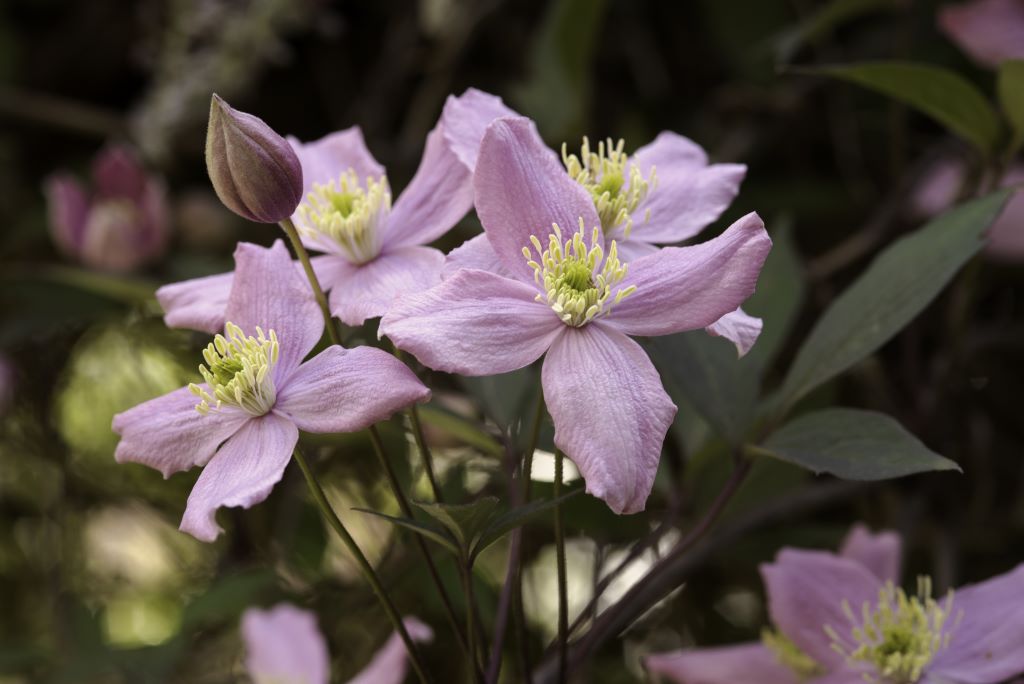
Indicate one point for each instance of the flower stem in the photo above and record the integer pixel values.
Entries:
(300, 251)
(421, 442)
(563, 588)
(467, 584)
(364, 565)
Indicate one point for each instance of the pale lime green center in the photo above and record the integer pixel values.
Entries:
(604, 174)
(238, 371)
(580, 282)
(900, 635)
(348, 214)
(790, 655)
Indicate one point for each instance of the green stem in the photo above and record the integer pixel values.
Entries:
(364, 565)
(421, 442)
(518, 614)
(321, 299)
(467, 584)
(563, 589)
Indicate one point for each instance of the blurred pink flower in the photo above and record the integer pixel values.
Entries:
(284, 646)
(818, 600)
(121, 224)
(665, 193)
(938, 189)
(990, 31)
(565, 296)
(242, 424)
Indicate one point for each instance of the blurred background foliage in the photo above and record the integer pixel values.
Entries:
(98, 584)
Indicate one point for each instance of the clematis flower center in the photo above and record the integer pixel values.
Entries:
(348, 214)
(578, 279)
(615, 184)
(790, 655)
(238, 371)
(899, 635)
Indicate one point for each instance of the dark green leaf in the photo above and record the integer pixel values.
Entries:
(227, 598)
(501, 525)
(504, 396)
(1010, 87)
(854, 445)
(461, 429)
(435, 533)
(938, 93)
(464, 521)
(893, 290)
(824, 21)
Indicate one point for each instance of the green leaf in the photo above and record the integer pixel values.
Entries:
(462, 429)
(854, 445)
(707, 371)
(464, 521)
(889, 294)
(938, 93)
(501, 525)
(225, 600)
(434, 533)
(824, 21)
(1010, 87)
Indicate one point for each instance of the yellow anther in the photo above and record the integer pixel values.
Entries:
(238, 370)
(613, 181)
(347, 214)
(790, 655)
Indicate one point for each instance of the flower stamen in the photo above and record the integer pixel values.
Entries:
(578, 279)
(790, 655)
(615, 184)
(347, 214)
(238, 372)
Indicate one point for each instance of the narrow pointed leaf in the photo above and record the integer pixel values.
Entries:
(506, 522)
(854, 445)
(891, 292)
(436, 534)
(464, 521)
(1010, 87)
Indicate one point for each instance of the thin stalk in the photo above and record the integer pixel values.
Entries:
(421, 442)
(364, 565)
(321, 299)
(471, 625)
(563, 585)
(518, 614)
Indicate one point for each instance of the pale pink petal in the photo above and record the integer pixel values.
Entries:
(987, 644)
(686, 288)
(631, 250)
(437, 197)
(269, 292)
(117, 172)
(345, 390)
(669, 151)
(168, 434)
(473, 323)
(241, 473)
(197, 304)
(806, 591)
(284, 644)
(1006, 236)
(521, 189)
(326, 159)
(845, 675)
(686, 201)
(938, 188)
(466, 118)
(610, 412)
(738, 327)
(369, 290)
(990, 31)
(391, 662)
(721, 665)
(880, 553)
(67, 208)
(475, 253)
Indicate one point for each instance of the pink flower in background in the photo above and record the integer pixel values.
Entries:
(568, 298)
(284, 646)
(838, 619)
(242, 424)
(990, 31)
(665, 193)
(121, 224)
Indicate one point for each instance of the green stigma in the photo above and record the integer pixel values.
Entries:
(900, 635)
(238, 372)
(578, 279)
(604, 175)
(346, 214)
(790, 655)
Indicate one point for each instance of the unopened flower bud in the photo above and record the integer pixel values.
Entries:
(254, 170)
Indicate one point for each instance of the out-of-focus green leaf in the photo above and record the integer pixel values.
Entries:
(227, 598)
(823, 22)
(854, 445)
(461, 429)
(708, 372)
(501, 525)
(504, 396)
(464, 521)
(936, 92)
(1010, 87)
(433, 532)
(893, 290)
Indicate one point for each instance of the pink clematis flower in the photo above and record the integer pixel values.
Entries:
(568, 298)
(284, 646)
(839, 620)
(989, 31)
(374, 251)
(665, 193)
(243, 422)
(121, 225)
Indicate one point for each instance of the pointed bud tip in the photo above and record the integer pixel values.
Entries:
(254, 171)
